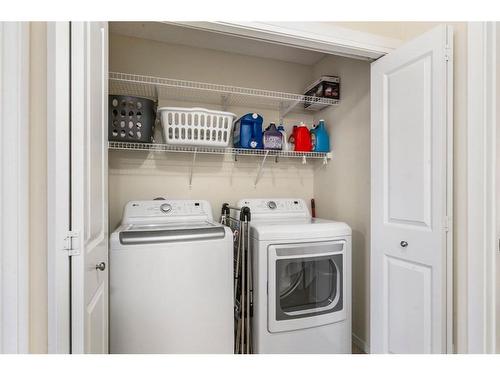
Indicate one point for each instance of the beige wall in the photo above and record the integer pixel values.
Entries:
(342, 190)
(398, 30)
(38, 188)
(218, 179)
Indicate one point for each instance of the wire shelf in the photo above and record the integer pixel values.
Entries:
(159, 147)
(201, 92)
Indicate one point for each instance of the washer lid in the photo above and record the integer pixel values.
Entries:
(298, 229)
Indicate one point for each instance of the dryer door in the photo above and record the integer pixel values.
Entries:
(306, 285)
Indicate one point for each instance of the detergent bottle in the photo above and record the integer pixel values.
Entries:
(303, 138)
(272, 138)
(291, 139)
(281, 129)
(313, 137)
(248, 131)
(322, 140)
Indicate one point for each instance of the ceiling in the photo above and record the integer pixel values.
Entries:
(168, 33)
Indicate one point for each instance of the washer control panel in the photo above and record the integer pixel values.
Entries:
(278, 206)
(136, 211)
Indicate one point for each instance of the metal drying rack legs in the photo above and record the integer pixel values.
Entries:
(243, 280)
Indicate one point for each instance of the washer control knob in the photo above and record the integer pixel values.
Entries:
(166, 208)
(271, 205)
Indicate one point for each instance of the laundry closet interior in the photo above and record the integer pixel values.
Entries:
(145, 56)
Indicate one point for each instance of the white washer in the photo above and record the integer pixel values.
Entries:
(171, 280)
(302, 279)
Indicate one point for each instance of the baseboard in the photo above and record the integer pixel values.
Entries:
(362, 344)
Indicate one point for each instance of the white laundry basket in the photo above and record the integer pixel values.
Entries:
(196, 126)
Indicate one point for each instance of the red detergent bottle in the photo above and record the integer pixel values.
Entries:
(302, 138)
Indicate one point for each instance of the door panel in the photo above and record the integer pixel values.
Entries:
(408, 132)
(89, 186)
(410, 189)
(97, 311)
(408, 290)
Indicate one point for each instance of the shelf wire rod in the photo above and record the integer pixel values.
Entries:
(192, 169)
(259, 173)
(224, 101)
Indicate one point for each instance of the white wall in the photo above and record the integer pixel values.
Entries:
(342, 190)
(137, 175)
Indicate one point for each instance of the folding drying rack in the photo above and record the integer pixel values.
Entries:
(243, 280)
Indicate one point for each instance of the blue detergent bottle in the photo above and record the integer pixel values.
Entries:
(322, 140)
(313, 137)
(248, 131)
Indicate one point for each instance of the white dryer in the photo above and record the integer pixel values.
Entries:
(171, 280)
(301, 278)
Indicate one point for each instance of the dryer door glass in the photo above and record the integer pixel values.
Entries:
(308, 286)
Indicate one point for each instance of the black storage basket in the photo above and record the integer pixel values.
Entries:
(131, 119)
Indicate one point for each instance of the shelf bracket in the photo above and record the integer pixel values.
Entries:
(192, 169)
(325, 160)
(224, 101)
(304, 160)
(259, 173)
(157, 94)
(285, 110)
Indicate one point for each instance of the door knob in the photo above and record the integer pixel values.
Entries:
(403, 243)
(101, 266)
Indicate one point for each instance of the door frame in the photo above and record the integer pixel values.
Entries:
(14, 187)
(58, 186)
(481, 187)
(352, 43)
(313, 36)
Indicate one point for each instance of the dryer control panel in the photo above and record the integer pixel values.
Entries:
(276, 207)
(166, 210)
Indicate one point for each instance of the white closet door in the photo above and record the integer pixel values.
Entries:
(89, 186)
(411, 196)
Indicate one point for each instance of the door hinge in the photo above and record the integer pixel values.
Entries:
(448, 54)
(72, 243)
(446, 224)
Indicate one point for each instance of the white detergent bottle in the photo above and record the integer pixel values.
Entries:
(281, 129)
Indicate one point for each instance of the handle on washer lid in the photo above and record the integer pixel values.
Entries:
(173, 235)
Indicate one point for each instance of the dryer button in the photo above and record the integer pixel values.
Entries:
(271, 205)
(166, 208)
